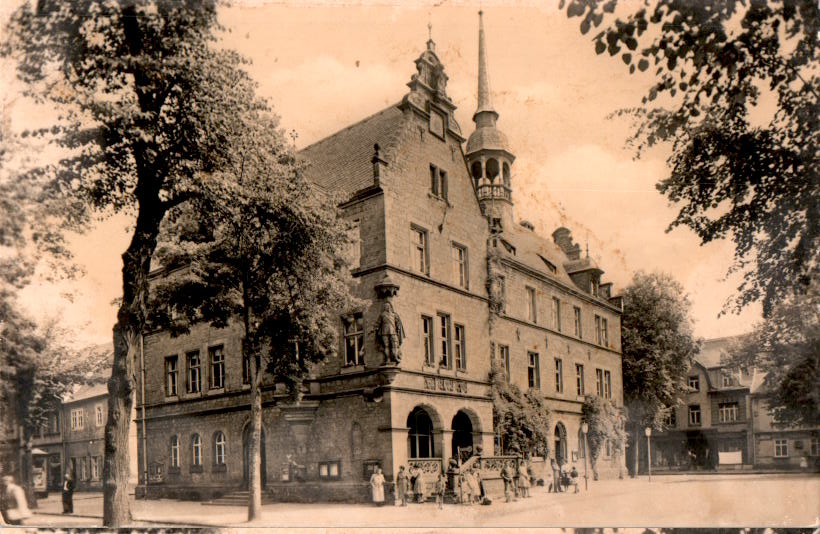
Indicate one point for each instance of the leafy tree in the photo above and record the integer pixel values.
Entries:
(271, 259)
(786, 347)
(520, 418)
(38, 370)
(606, 424)
(144, 98)
(658, 349)
(742, 89)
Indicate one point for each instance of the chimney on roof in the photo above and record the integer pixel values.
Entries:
(377, 161)
(563, 238)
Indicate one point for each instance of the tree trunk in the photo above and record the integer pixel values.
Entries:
(127, 332)
(255, 453)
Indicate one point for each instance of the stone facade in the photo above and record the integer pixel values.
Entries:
(431, 246)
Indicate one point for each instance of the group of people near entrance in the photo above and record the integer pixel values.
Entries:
(409, 485)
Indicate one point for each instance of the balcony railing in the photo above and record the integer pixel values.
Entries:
(494, 191)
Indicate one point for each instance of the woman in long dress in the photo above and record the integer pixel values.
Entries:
(377, 486)
(418, 486)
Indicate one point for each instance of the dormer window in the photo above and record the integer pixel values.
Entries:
(594, 286)
(438, 182)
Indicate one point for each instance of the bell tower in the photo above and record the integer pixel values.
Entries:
(488, 153)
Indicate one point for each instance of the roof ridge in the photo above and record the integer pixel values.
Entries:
(349, 127)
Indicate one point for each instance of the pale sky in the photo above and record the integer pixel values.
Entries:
(327, 67)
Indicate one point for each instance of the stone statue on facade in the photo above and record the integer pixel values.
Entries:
(390, 334)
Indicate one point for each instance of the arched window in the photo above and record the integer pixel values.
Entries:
(219, 448)
(475, 170)
(196, 450)
(174, 451)
(420, 435)
(492, 168)
(560, 443)
(506, 174)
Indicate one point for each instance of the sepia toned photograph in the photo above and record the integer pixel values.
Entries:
(422, 266)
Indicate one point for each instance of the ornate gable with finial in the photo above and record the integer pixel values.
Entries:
(428, 89)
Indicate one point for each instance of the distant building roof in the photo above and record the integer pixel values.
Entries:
(87, 392)
(342, 161)
(714, 349)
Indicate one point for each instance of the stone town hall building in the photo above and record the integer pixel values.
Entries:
(437, 237)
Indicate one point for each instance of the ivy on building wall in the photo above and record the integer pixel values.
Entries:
(606, 424)
(521, 419)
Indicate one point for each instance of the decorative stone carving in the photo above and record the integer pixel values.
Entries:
(389, 334)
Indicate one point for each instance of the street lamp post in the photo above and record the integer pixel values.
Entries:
(584, 430)
(648, 432)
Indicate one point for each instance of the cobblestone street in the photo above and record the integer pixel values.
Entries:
(672, 500)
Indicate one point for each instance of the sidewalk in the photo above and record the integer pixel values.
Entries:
(682, 500)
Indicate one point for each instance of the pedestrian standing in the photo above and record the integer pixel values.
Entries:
(523, 481)
(418, 486)
(466, 488)
(14, 506)
(507, 477)
(402, 485)
(556, 476)
(441, 487)
(377, 486)
(68, 492)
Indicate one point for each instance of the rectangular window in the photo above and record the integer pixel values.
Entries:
(354, 339)
(427, 339)
(599, 382)
(504, 354)
(194, 372)
(559, 375)
(727, 412)
(533, 372)
(438, 182)
(671, 419)
(461, 348)
(532, 309)
(781, 448)
(460, 270)
(601, 331)
(83, 468)
(577, 312)
(77, 419)
(607, 384)
(815, 447)
(694, 415)
(420, 250)
(98, 412)
(54, 423)
(556, 314)
(217, 358)
(726, 380)
(329, 470)
(171, 374)
(95, 468)
(694, 383)
(579, 379)
(354, 243)
(434, 188)
(444, 336)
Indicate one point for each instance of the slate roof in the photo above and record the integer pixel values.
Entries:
(342, 161)
(532, 249)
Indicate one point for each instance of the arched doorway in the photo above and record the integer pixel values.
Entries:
(420, 434)
(462, 435)
(246, 460)
(560, 443)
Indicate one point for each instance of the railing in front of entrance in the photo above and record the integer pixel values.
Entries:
(492, 465)
(430, 468)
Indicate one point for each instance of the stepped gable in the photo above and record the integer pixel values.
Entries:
(342, 161)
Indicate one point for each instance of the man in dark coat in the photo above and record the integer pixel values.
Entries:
(68, 493)
(556, 476)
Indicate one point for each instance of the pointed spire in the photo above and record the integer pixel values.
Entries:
(484, 102)
(431, 45)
